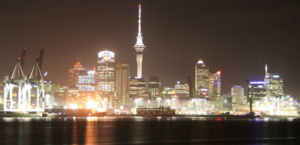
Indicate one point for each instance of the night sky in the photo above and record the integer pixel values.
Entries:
(237, 37)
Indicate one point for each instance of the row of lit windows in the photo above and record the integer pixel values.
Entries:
(106, 86)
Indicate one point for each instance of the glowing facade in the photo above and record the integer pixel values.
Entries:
(201, 79)
(182, 90)
(74, 74)
(215, 85)
(275, 84)
(138, 89)
(106, 76)
(86, 81)
(238, 95)
(257, 90)
(139, 45)
(154, 87)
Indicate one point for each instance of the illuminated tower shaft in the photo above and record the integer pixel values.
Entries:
(139, 46)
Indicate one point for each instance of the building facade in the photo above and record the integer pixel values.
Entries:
(74, 74)
(86, 81)
(201, 79)
(275, 84)
(138, 89)
(123, 77)
(182, 90)
(215, 85)
(154, 88)
(257, 90)
(238, 95)
(106, 77)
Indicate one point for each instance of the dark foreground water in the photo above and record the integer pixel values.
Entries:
(150, 131)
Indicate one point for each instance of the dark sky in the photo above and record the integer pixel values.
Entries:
(235, 36)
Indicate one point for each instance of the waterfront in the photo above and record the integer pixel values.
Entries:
(144, 130)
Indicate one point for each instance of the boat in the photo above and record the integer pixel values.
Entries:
(153, 112)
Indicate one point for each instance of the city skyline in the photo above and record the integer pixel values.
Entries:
(164, 58)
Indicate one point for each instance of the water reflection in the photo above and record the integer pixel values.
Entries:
(141, 130)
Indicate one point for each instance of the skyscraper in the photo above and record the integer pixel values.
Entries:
(74, 73)
(215, 85)
(201, 79)
(182, 90)
(238, 95)
(275, 84)
(123, 77)
(138, 89)
(257, 90)
(106, 76)
(139, 45)
(154, 87)
(86, 81)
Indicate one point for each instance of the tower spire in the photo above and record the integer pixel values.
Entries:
(139, 45)
(139, 38)
(266, 71)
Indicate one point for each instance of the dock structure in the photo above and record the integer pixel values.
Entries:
(22, 93)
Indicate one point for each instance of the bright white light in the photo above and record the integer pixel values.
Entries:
(200, 62)
(106, 53)
(73, 106)
(90, 104)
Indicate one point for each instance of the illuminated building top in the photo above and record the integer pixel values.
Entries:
(200, 62)
(106, 56)
(259, 83)
(106, 53)
(78, 65)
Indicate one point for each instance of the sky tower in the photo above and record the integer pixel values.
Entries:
(139, 45)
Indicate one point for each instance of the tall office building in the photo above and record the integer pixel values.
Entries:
(86, 81)
(154, 88)
(257, 90)
(139, 45)
(215, 85)
(138, 89)
(238, 95)
(74, 73)
(123, 77)
(201, 79)
(275, 84)
(106, 77)
(182, 90)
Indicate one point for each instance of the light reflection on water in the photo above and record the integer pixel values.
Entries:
(145, 130)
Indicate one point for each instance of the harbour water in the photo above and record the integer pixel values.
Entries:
(147, 131)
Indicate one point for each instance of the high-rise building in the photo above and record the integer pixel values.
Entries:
(1, 95)
(139, 45)
(154, 88)
(182, 90)
(275, 84)
(168, 93)
(201, 79)
(106, 77)
(191, 86)
(74, 73)
(123, 77)
(86, 81)
(257, 90)
(214, 85)
(238, 95)
(138, 89)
